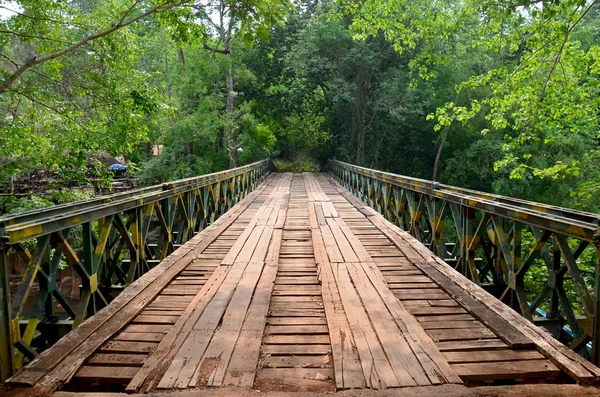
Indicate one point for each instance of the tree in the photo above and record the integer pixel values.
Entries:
(253, 18)
(42, 25)
(71, 86)
(539, 84)
(72, 80)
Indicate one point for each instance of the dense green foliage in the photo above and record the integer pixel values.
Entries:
(532, 78)
(15, 205)
(495, 96)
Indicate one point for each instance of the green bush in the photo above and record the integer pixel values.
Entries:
(299, 164)
(68, 196)
(14, 205)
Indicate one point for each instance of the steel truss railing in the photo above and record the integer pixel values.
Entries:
(110, 242)
(482, 236)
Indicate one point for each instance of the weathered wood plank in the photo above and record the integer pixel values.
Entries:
(198, 354)
(460, 334)
(297, 361)
(331, 245)
(105, 375)
(421, 344)
(295, 349)
(168, 347)
(506, 370)
(219, 353)
(298, 339)
(376, 367)
(242, 367)
(403, 362)
(342, 242)
(139, 337)
(214, 363)
(116, 359)
(244, 361)
(357, 247)
(493, 355)
(298, 321)
(297, 329)
(471, 345)
(345, 354)
(127, 347)
(189, 355)
(155, 319)
(300, 379)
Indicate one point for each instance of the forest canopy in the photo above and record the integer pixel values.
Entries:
(500, 96)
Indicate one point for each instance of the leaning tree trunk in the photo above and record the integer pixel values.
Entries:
(229, 134)
(166, 60)
(436, 164)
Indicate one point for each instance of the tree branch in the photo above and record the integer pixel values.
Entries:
(444, 135)
(562, 47)
(239, 115)
(62, 114)
(6, 84)
(220, 51)
(16, 65)
(27, 36)
(135, 3)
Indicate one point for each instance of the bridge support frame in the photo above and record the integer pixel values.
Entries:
(7, 353)
(111, 240)
(596, 339)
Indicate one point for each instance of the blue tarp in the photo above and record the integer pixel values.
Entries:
(118, 167)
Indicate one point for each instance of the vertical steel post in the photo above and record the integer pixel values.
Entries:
(469, 266)
(596, 327)
(88, 299)
(6, 348)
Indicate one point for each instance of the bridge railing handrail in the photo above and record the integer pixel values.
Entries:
(192, 182)
(496, 241)
(570, 222)
(118, 239)
(37, 223)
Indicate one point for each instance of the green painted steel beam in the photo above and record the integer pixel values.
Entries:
(586, 217)
(124, 222)
(176, 186)
(560, 220)
(48, 221)
(7, 353)
(491, 226)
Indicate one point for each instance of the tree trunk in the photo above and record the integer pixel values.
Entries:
(229, 133)
(439, 152)
(230, 93)
(361, 128)
(181, 56)
(231, 138)
(166, 59)
(360, 145)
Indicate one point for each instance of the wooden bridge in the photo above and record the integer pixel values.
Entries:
(299, 286)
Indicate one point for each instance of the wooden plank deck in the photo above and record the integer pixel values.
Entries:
(300, 287)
